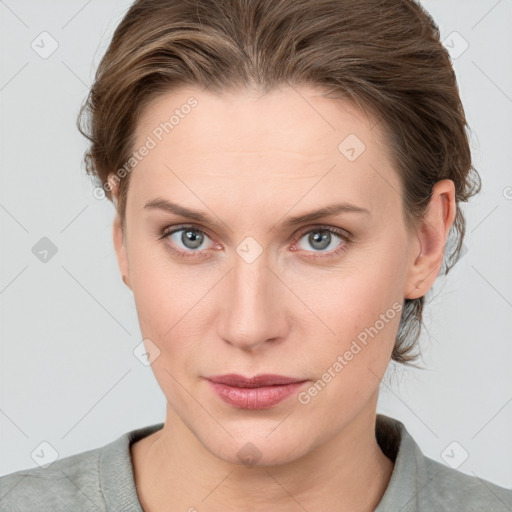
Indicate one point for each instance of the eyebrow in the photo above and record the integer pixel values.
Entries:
(326, 211)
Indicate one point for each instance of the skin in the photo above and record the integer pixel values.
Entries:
(251, 161)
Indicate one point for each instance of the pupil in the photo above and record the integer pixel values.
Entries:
(191, 240)
(323, 239)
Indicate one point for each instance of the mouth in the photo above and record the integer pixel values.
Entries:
(239, 381)
(259, 392)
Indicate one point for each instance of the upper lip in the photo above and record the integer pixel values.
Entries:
(233, 379)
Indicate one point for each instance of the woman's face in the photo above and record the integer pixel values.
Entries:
(244, 290)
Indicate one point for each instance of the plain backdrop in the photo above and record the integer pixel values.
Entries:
(68, 326)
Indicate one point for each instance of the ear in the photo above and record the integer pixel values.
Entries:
(121, 252)
(431, 234)
(118, 236)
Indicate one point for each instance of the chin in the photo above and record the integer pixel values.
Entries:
(259, 449)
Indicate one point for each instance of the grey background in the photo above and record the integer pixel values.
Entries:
(68, 326)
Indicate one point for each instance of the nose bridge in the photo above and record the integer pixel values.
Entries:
(253, 308)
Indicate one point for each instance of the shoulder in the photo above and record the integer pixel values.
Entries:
(419, 483)
(96, 480)
(451, 489)
(70, 483)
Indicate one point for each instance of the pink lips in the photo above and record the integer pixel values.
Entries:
(259, 392)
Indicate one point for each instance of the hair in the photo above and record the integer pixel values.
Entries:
(384, 56)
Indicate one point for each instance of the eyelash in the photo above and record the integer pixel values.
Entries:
(342, 234)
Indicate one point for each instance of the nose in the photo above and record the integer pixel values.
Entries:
(253, 310)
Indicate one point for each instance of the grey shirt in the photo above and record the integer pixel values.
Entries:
(102, 480)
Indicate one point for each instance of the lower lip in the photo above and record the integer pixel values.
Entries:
(255, 398)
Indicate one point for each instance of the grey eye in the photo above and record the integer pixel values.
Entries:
(319, 239)
(189, 238)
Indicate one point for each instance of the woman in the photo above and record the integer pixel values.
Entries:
(286, 176)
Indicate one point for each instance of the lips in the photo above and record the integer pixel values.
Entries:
(239, 381)
(259, 392)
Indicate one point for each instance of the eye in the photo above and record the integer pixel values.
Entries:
(190, 241)
(187, 240)
(324, 237)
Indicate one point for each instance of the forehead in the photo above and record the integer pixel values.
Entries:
(289, 137)
(293, 119)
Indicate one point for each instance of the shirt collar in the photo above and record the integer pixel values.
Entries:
(117, 480)
(118, 485)
(409, 471)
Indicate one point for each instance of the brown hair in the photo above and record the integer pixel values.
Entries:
(385, 56)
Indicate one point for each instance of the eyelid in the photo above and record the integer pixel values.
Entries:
(178, 227)
(305, 229)
(342, 233)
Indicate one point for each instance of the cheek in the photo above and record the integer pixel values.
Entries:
(359, 305)
(158, 291)
(171, 300)
(340, 304)
(364, 314)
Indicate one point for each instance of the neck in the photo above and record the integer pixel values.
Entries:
(174, 471)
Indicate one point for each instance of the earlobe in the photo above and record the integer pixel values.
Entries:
(120, 248)
(432, 233)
